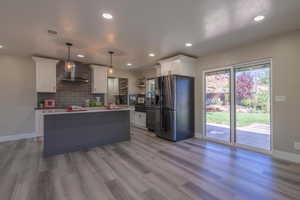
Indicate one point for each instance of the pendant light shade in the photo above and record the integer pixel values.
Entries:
(110, 70)
(69, 65)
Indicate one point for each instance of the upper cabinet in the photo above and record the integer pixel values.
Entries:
(99, 79)
(113, 86)
(179, 65)
(45, 74)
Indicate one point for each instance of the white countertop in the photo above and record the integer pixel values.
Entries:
(87, 110)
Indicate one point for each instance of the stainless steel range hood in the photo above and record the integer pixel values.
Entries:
(73, 77)
(70, 69)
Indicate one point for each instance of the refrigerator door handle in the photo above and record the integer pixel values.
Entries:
(161, 115)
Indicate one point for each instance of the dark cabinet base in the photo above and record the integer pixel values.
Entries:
(74, 132)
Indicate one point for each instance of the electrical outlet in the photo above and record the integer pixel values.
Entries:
(297, 145)
(280, 98)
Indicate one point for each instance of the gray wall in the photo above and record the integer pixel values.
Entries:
(17, 96)
(285, 53)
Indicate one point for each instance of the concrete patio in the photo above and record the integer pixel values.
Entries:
(257, 136)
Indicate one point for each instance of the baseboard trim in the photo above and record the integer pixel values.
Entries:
(292, 157)
(17, 137)
(198, 135)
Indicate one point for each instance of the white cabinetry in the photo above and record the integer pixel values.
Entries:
(132, 115)
(179, 65)
(113, 86)
(99, 79)
(140, 120)
(45, 74)
(39, 123)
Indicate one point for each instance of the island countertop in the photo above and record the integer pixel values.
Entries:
(86, 110)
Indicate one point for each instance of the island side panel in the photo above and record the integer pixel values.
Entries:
(74, 132)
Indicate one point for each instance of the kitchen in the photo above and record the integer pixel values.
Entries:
(66, 89)
(144, 100)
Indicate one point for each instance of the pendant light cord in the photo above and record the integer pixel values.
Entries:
(69, 45)
(111, 54)
(111, 60)
(69, 49)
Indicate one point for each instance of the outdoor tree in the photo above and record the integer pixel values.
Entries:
(244, 86)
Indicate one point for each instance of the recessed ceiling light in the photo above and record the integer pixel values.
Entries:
(151, 54)
(80, 56)
(129, 64)
(259, 18)
(1, 46)
(107, 16)
(188, 44)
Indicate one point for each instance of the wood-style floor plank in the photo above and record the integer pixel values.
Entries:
(145, 168)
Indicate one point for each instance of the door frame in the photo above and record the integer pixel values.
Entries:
(232, 104)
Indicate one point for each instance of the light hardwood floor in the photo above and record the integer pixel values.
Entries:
(145, 168)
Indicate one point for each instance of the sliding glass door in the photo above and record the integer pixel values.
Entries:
(252, 106)
(237, 105)
(217, 105)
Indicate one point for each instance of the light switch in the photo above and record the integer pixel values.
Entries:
(280, 98)
(297, 145)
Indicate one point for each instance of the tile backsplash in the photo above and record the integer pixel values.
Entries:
(71, 93)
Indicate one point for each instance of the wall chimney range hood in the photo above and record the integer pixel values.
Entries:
(70, 70)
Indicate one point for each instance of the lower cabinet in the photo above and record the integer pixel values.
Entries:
(132, 115)
(39, 123)
(140, 119)
(150, 120)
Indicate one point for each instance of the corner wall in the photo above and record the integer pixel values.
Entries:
(285, 53)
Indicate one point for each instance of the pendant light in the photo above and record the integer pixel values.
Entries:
(110, 70)
(69, 65)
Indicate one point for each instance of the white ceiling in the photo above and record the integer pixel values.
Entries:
(139, 26)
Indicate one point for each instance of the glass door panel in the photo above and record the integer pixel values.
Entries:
(217, 105)
(252, 106)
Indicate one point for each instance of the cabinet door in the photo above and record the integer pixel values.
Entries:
(177, 67)
(140, 119)
(45, 74)
(39, 123)
(150, 119)
(132, 116)
(180, 65)
(143, 119)
(116, 86)
(99, 80)
(136, 118)
(166, 69)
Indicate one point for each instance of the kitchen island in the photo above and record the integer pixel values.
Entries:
(74, 131)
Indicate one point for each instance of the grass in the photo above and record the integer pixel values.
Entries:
(243, 119)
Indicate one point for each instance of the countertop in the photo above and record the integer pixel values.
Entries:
(87, 110)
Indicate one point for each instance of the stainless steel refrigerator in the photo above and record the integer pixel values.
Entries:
(174, 107)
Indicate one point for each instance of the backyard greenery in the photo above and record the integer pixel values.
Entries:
(243, 119)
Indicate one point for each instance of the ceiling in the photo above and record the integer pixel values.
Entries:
(138, 27)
